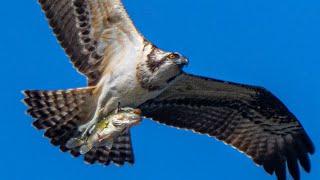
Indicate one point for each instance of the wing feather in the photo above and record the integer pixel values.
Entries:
(91, 32)
(248, 118)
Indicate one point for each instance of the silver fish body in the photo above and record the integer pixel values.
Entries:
(106, 130)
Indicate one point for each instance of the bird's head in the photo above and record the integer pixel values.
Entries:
(162, 63)
(159, 60)
(176, 59)
(159, 68)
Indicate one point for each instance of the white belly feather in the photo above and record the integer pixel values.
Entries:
(122, 86)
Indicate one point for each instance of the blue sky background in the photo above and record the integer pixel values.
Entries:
(271, 43)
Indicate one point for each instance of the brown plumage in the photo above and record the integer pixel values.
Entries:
(96, 35)
(122, 66)
(51, 108)
(60, 113)
(120, 153)
(80, 26)
(248, 118)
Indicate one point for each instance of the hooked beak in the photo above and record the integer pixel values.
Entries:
(181, 62)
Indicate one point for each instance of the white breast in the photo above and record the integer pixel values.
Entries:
(121, 84)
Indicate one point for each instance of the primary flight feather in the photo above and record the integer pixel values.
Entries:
(124, 68)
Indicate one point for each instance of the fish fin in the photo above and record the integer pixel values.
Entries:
(84, 149)
(74, 143)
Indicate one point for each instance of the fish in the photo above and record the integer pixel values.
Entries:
(105, 131)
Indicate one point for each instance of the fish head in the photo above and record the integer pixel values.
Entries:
(127, 117)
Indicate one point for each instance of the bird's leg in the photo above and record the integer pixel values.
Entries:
(89, 127)
(99, 115)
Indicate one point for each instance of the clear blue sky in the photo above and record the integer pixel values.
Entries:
(272, 43)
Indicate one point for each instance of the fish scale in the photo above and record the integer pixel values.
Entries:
(105, 131)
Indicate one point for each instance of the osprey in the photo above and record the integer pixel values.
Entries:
(123, 67)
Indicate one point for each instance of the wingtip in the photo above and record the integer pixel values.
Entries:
(268, 168)
(312, 148)
(281, 171)
(24, 92)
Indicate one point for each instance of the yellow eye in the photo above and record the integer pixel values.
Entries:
(173, 56)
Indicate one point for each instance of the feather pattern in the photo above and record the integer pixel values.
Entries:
(91, 32)
(248, 118)
(61, 112)
(120, 152)
(53, 108)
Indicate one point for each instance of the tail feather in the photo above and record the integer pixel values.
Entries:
(61, 133)
(60, 113)
(120, 152)
(50, 108)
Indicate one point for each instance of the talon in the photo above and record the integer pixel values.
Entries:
(118, 108)
(91, 129)
(88, 129)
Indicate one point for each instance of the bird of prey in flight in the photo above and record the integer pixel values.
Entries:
(123, 67)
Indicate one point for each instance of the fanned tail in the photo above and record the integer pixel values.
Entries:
(61, 112)
(51, 108)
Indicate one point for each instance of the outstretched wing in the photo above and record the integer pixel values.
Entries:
(249, 118)
(92, 32)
